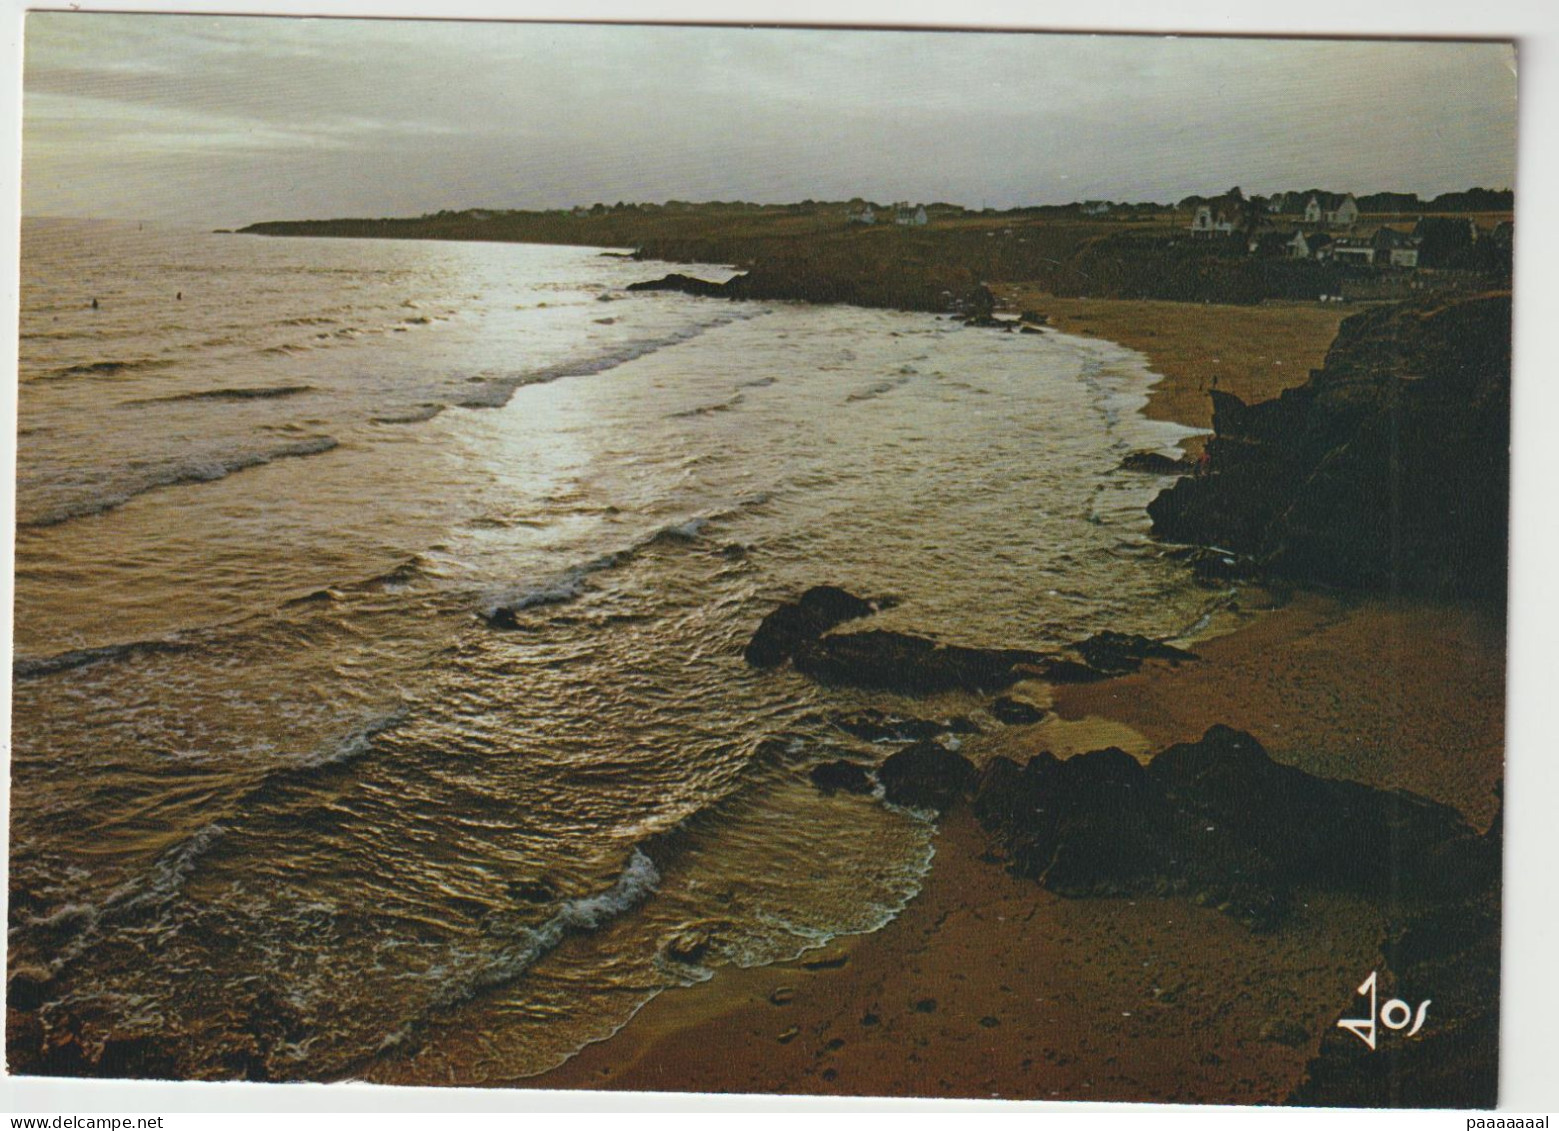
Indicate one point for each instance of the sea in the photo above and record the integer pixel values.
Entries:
(288, 803)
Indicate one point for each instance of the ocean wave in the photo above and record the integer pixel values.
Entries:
(881, 388)
(497, 392)
(500, 607)
(705, 410)
(153, 889)
(33, 667)
(180, 474)
(258, 393)
(104, 368)
(418, 415)
(636, 882)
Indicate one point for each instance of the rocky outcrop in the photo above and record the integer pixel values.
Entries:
(848, 777)
(801, 278)
(925, 776)
(913, 665)
(1388, 470)
(799, 623)
(1156, 463)
(1447, 952)
(1219, 819)
(687, 284)
(872, 725)
(1118, 653)
(1015, 712)
(800, 631)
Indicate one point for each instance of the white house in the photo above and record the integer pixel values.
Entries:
(1208, 222)
(1336, 212)
(1309, 245)
(1353, 250)
(912, 217)
(864, 216)
(1095, 208)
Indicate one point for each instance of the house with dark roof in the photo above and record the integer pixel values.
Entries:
(1217, 219)
(1394, 248)
(1309, 245)
(1332, 210)
(1351, 249)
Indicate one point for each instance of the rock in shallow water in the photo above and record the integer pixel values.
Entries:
(925, 776)
(792, 625)
(847, 776)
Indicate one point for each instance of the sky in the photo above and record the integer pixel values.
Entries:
(226, 120)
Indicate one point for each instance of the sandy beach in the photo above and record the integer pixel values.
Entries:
(989, 986)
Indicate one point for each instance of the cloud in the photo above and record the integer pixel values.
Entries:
(123, 113)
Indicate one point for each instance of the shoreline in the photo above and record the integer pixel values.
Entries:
(933, 1003)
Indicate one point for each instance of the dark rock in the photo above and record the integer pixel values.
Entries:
(532, 891)
(925, 1005)
(1280, 1031)
(912, 665)
(1448, 953)
(1156, 463)
(1015, 712)
(1388, 470)
(687, 284)
(782, 995)
(1117, 653)
(1219, 819)
(792, 625)
(846, 776)
(838, 962)
(1314, 830)
(925, 776)
(501, 618)
(989, 1022)
(872, 725)
(1055, 670)
(1034, 318)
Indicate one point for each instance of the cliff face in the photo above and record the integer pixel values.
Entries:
(1389, 470)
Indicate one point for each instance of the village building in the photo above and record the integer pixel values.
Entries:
(1269, 244)
(1096, 208)
(864, 216)
(1332, 210)
(910, 217)
(1394, 248)
(1352, 249)
(1309, 245)
(1214, 220)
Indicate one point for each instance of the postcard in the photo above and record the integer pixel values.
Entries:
(766, 560)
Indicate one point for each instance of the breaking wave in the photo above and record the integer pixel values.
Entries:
(196, 471)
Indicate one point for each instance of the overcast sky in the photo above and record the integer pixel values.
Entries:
(226, 120)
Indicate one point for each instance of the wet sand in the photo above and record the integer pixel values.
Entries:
(989, 986)
(1254, 352)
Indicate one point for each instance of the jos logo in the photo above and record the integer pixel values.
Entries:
(1394, 1015)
